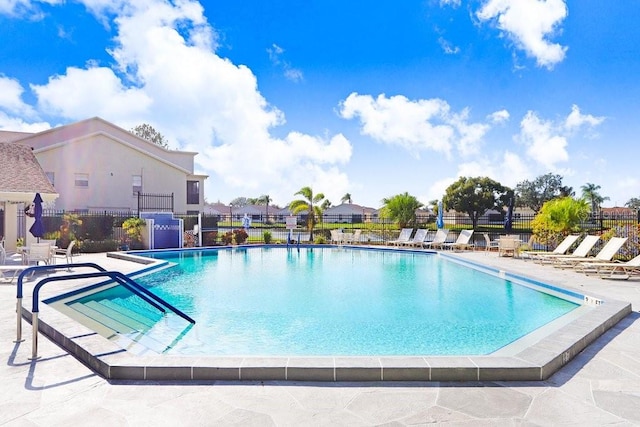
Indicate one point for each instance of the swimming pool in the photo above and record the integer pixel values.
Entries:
(317, 301)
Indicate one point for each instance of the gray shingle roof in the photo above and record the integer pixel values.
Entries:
(20, 172)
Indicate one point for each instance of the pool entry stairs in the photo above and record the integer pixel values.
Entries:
(134, 327)
(119, 309)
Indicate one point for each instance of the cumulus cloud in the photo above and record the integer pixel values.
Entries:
(547, 141)
(165, 72)
(499, 116)
(529, 24)
(11, 97)
(415, 125)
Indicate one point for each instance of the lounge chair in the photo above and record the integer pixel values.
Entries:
(10, 265)
(488, 243)
(581, 251)
(606, 254)
(611, 270)
(462, 242)
(404, 237)
(438, 240)
(561, 249)
(418, 238)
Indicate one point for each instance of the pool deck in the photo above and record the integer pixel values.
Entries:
(600, 385)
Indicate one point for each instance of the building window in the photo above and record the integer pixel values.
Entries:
(136, 183)
(82, 180)
(51, 178)
(193, 192)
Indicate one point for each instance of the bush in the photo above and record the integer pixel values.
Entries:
(266, 236)
(240, 236)
(90, 246)
(227, 238)
(320, 240)
(209, 238)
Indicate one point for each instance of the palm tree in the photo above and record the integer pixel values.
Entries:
(346, 198)
(633, 203)
(590, 194)
(265, 200)
(309, 204)
(401, 208)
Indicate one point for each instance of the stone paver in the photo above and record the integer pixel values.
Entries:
(600, 386)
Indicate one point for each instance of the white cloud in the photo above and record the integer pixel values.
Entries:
(575, 120)
(543, 144)
(11, 97)
(425, 124)
(547, 141)
(15, 124)
(24, 8)
(454, 3)
(447, 47)
(275, 53)
(499, 116)
(529, 24)
(166, 73)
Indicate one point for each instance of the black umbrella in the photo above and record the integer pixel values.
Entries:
(508, 220)
(37, 229)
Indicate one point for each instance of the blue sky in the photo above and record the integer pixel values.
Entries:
(368, 98)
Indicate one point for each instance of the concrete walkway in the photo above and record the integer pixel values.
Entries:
(600, 386)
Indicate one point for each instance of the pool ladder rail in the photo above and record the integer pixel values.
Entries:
(122, 279)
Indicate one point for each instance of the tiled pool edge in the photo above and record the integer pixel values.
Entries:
(534, 363)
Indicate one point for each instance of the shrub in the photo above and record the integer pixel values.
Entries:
(90, 246)
(267, 237)
(240, 236)
(320, 240)
(227, 238)
(209, 238)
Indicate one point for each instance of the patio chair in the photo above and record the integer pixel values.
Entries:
(38, 252)
(10, 265)
(352, 237)
(606, 254)
(66, 254)
(611, 270)
(418, 238)
(438, 240)
(561, 249)
(404, 237)
(462, 242)
(581, 251)
(508, 245)
(488, 243)
(337, 237)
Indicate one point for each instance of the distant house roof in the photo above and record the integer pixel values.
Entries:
(21, 175)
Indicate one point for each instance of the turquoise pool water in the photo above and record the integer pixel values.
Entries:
(341, 301)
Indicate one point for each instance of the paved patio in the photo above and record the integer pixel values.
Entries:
(600, 386)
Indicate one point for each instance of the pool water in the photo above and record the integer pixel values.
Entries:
(341, 301)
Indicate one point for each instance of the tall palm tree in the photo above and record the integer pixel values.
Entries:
(265, 200)
(401, 208)
(309, 204)
(590, 194)
(346, 198)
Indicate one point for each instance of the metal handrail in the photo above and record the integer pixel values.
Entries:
(117, 276)
(32, 270)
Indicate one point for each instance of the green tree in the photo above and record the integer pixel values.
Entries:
(475, 196)
(326, 204)
(401, 208)
(310, 205)
(633, 203)
(534, 194)
(239, 202)
(591, 195)
(559, 217)
(346, 198)
(148, 132)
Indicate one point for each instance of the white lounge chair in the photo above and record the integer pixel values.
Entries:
(509, 245)
(404, 237)
(438, 240)
(462, 242)
(611, 270)
(39, 252)
(606, 254)
(337, 237)
(418, 238)
(581, 251)
(561, 249)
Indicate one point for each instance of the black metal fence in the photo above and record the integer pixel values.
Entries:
(148, 202)
(107, 226)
